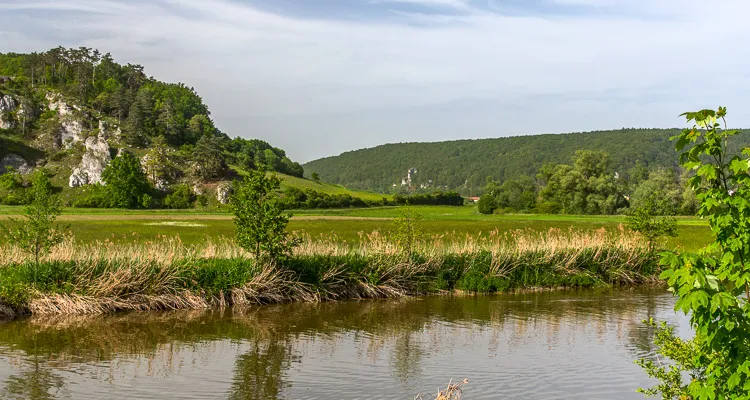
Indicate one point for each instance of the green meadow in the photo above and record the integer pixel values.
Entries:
(347, 225)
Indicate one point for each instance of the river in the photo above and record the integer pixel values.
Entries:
(554, 345)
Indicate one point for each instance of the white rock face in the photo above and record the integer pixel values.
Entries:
(159, 183)
(70, 132)
(223, 191)
(57, 103)
(15, 161)
(71, 128)
(94, 160)
(8, 104)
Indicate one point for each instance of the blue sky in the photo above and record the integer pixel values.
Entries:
(319, 77)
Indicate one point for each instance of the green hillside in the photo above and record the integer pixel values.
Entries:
(465, 165)
(75, 111)
(304, 184)
(322, 187)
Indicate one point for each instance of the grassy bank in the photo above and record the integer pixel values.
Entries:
(103, 277)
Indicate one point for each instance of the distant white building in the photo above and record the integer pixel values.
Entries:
(409, 177)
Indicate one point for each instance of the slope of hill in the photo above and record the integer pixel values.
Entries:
(327, 188)
(320, 187)
(74, 110)
(465, 165)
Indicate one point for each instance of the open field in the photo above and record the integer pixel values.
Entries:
(347, 225)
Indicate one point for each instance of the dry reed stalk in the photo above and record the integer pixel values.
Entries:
(272, 286)
(51, 304)
(451, 392)
(169, 250)
(144, 276)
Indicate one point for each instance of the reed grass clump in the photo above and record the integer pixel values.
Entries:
(106, 277)
(452, 392)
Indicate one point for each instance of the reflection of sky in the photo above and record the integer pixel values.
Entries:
(317, 77)
(537, 347)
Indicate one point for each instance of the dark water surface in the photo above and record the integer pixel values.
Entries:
(565, 345)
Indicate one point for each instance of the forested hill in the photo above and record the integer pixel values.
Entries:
(74, 110)
(465, 165)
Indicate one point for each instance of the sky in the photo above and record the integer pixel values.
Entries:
(320, 77)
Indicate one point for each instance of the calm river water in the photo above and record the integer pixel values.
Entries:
(565, 345)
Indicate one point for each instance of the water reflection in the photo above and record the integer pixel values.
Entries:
(258, 373)
(544, 345)
(34, 380)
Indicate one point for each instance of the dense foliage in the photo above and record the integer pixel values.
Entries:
(168, 120)
(126, 183)
(584, 187)
(588, 185)
(465, 165)
(430, 199)
(713, 285)
(259, 218)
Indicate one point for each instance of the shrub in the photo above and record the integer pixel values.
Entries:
(93, 196)
(181, 197)
(646, 220)
(126, 182)
(406, 229)
(713, 286)
(11, 179)
(201, 200)
(486, 204)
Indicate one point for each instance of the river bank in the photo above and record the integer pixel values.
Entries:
(107, 277)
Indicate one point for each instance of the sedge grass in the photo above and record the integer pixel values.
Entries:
(107, 276)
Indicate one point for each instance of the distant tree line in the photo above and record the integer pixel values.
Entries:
(588, 185)
(433, 199)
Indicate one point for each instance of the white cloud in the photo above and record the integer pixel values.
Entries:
(283, 78)
(590, 3)
(458, 4)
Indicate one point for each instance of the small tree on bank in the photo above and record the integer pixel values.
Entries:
(407, 230)
(259, 218)
(37, 233)
(652, 221)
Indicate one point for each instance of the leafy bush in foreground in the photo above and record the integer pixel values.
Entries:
(713, 285)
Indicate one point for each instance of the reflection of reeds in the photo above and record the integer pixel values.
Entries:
(70, 339)
(105, 277)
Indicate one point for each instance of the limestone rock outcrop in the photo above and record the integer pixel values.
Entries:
(94, 160)
(71, 126)
(8, 104)
(15, 161)
(223, 192)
